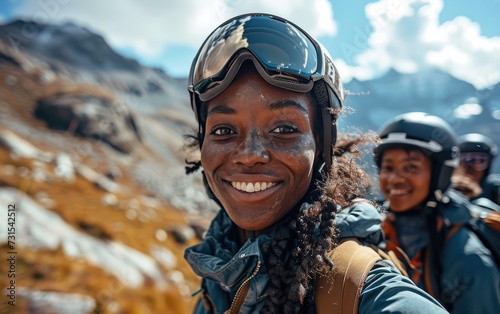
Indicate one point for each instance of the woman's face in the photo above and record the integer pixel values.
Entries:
(474, 165)
(258, 150)
(404, 178)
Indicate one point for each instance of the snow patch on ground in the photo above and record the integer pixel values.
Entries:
(39, 228)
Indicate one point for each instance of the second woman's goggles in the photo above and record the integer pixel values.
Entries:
(284, 55)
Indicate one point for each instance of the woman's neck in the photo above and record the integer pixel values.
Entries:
(244, 235)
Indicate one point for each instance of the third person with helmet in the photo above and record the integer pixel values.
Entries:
(473, 175)
(416, 157)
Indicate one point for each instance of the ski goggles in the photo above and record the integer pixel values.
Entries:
(477, 161)
(283, 54)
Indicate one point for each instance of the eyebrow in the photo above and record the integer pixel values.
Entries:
(222, 108)
(287, 104)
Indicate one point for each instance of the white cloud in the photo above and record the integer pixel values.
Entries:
(407, 36)
(149, 27)
(466, 111)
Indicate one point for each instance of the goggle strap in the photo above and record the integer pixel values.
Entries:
(327, 138)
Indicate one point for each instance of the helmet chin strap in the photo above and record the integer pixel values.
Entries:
(327, 140)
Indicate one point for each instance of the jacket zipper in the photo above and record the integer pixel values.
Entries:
(242, 292)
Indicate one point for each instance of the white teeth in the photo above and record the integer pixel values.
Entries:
(251, 187)
(398, 192)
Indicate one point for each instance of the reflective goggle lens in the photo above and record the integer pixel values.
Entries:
(477, 161)
(278, 46)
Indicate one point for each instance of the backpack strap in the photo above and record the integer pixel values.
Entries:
(339, 291)
(390, 255)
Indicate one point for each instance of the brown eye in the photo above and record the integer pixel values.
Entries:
(221, 131)
(286, 129)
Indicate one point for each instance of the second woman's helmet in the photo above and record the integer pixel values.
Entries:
(283, 54)
(431, 135)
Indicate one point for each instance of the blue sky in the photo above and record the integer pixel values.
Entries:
(366, 38)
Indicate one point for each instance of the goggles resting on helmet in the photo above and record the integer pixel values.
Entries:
(283, 54)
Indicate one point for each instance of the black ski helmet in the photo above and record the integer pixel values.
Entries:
(431, 135)
(478, 143)
(283, 54)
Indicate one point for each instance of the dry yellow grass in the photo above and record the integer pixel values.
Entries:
(79, 204)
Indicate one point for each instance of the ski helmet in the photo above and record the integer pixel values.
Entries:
(431, 135)
(478, 143)
(283, 54)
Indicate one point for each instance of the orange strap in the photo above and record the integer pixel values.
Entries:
(493, 220)
(339, 292)
(393, 246)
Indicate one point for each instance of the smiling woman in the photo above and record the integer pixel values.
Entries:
(267, 96)
(416, 157)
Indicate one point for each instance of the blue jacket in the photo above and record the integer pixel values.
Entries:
(491, 191)
(223, 267)
(470, 278)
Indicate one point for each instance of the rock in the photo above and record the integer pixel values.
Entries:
(109, 199)
(131, 214)
(183, 234)
(97, 179)
(43, 302)
(200, 227)
(10, 80)
(94, 230)
(46, 77)
(22, 148)
(64, 167)
(91, 116)
(161, 235)
(113, 173)
(107, 185)
(164, 256)
(40, 175)
(151, 202)
(47, 203)
(178, 279)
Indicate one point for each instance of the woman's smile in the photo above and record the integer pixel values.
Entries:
(251, 187)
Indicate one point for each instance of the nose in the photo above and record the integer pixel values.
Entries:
(395, 177)
(252, 150)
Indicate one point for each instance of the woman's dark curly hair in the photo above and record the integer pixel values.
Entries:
(308, 234)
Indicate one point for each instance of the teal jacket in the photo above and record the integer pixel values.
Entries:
(223, 266)
(470, 279)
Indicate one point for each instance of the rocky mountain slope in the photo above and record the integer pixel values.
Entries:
(91, 157)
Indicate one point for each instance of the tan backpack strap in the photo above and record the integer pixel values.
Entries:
(391, 256)
(339, 291)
